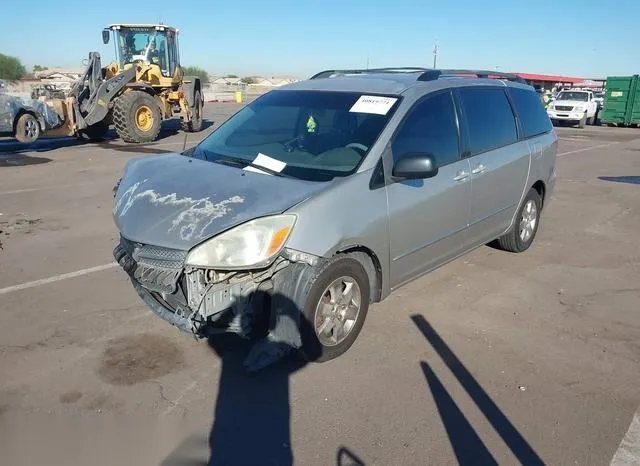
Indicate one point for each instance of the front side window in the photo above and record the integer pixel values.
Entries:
(430, 128)
(490, 120)
(317, 135)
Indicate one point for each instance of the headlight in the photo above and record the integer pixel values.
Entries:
(551, 107)
(579, 108)
(251, 244)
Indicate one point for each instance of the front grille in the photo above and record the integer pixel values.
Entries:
(563, 108)
(156, 268)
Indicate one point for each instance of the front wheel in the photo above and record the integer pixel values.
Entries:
(335, 310)
(525, 227)
(137, 117)
(583, 121)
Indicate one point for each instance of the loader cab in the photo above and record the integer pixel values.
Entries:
(147, 44)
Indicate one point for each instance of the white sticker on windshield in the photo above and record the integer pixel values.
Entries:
(268, 162)
(373, 104)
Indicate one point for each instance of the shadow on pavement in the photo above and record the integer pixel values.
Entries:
(468, 447)
(110, 141)
(19, 160)
(170, 128)
(346, 457)
(251, 419)
(621, 179)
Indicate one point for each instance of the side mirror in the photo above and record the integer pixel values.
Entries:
(105, 36)
(415, 166)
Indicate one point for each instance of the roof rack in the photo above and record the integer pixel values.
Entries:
(334, 73)
(432, 75)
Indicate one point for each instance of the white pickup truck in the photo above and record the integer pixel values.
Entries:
(573, 106)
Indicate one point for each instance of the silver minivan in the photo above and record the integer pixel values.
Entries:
(324, 196)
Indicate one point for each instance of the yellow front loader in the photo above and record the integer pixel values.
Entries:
(143, 86)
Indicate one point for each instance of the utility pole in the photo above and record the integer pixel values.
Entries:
(435, 55)
(367, 61)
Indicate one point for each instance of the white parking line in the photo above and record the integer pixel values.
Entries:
(46, 188)
(584, 149)
(57, 278)
(628, 452)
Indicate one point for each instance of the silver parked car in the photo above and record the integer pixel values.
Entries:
(324, 196)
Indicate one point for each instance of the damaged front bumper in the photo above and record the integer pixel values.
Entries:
(204, 301)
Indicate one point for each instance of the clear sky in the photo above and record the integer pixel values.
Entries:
(277, 37)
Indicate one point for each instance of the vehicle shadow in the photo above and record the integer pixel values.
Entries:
(173, 127)
(251, 418)
(621, 179)
(110, 141)
(468, 447)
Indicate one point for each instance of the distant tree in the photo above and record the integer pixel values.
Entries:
(231, 76)
(10, 68)
(249, 80)
(196, 71)
(37, 68)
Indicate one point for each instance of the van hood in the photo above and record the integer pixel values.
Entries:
(175, 201)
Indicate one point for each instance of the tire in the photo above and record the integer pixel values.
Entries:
(195, 124)
(27, 129)
(95, 132)
(339, 271)
(513, 241)
(137, 117)
(582, 122)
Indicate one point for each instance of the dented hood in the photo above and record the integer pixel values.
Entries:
(177, 202)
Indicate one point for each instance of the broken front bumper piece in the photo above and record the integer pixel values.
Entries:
(203, 301)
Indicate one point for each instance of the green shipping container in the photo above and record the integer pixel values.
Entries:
(622, 101)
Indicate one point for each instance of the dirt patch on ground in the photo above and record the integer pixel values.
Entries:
(137, 358)
(70, 397)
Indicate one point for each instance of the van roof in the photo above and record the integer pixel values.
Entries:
(395, 80)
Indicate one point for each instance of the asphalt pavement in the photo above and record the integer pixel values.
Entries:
(495, 358)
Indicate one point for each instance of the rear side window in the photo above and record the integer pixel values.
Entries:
(490, 120)
(533, 116)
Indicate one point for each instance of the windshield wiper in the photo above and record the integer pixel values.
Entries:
(238, 161)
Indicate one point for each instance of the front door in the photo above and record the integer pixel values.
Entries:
(428, 218)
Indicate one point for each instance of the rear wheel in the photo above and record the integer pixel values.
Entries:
(137, 117)
(525, 227)
(195, 124)
(27, 129)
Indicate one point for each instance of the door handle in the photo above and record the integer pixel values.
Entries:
(478, 169)
(461, 175)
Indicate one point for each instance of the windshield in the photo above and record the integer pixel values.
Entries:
(580, 96)
(311, 135)
(142, 43)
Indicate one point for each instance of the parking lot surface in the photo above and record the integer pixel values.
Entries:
(495, 358)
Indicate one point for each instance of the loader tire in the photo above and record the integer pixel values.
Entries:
(137, 117)
(195, 124)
